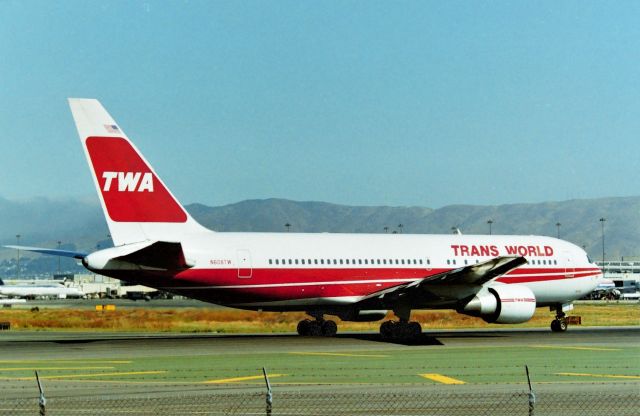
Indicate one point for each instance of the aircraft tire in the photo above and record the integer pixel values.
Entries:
(387, 329)
(304, 327)
(315, 328)
(559, 325)
(563, 325)
(329, 328)
(414, 330)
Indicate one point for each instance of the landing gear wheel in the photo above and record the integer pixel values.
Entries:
(304, 327)
(386, 329)
(329, 328)
(400, 331)
(559, 325)
(315, 328)
(414, 330)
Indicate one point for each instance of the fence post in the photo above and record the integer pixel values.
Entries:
(532, 396)
(42, 401)
(269, 394)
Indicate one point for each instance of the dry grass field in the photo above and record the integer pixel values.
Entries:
(236, 321)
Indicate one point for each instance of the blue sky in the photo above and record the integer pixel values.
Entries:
(364, 103)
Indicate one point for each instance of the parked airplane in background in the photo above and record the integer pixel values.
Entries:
(32, 291)
(357, 277)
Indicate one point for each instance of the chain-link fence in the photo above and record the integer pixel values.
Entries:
(314, 403)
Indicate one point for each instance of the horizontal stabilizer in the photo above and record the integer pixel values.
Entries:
(53, 252)
(158, 255)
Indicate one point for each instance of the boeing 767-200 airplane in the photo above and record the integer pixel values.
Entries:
(357, 277)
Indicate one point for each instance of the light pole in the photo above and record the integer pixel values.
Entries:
(59, 242)
(18, 243)
(558, 225)
(602, 220)
(490, 222)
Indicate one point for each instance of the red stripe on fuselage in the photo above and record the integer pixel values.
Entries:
(302, 283)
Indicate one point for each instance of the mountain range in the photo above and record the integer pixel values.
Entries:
(79, 224)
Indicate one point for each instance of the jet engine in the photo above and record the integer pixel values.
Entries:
(503, 304)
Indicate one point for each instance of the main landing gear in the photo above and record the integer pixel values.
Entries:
(560, 324)
(318, 327)
(402, 330)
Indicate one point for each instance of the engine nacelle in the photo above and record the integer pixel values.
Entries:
(503, 304)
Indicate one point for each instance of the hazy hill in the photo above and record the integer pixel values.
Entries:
(79, 224)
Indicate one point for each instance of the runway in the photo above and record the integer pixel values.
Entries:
(91, 370)
(70, 345)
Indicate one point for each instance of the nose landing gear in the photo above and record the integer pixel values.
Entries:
(560, 324)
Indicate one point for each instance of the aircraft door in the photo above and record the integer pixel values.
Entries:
(245, 269)
(569, 271)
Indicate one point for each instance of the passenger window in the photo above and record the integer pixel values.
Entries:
(448, 262)
(290, 262)
(384, 261)
(335, 261)
(270, 261)
(296, 261)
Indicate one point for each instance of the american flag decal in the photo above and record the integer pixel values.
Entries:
(112, 128)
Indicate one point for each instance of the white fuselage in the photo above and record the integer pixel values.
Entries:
(297, 271)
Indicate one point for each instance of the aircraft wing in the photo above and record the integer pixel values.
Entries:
(54, 252)
(454, 284)
(479, 274)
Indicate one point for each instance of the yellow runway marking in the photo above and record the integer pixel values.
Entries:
(129, 373)
(237, 379)
(55, 368)
(340, 354)
(599, 375)
(576, 348)
(441, 379)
